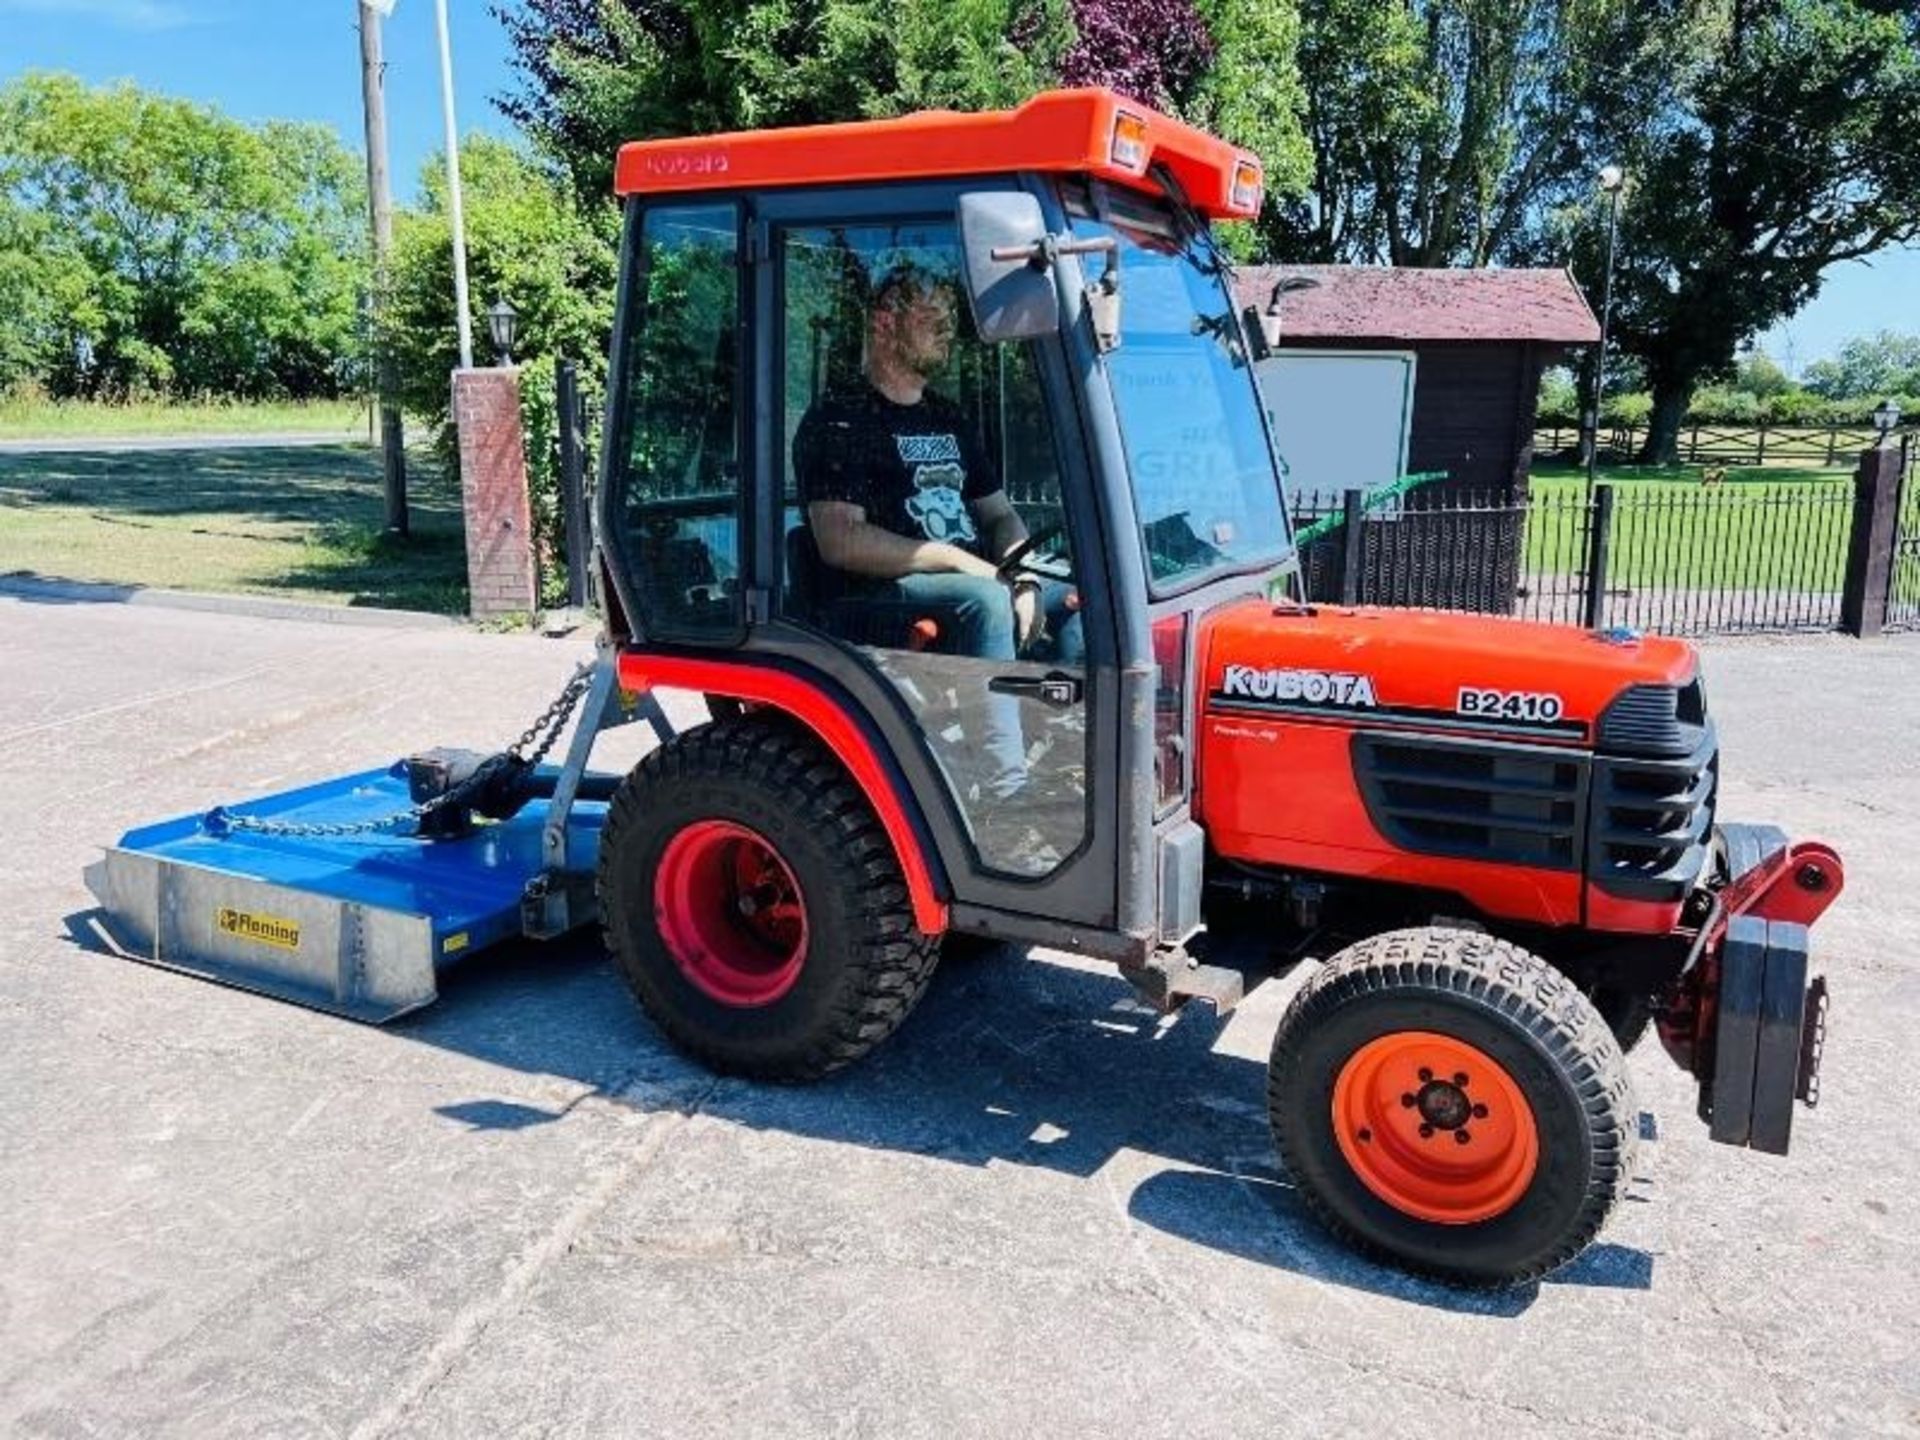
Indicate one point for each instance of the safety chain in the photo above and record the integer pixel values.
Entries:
(542, 735)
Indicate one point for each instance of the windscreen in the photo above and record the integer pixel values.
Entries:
(1204, 481)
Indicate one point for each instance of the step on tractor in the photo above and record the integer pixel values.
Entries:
(936, 462)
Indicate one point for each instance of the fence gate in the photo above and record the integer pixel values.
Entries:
(1903, 581)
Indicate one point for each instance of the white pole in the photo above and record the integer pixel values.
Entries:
(453, 193)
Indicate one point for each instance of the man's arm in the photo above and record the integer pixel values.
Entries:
(999, 522)
(847, 541)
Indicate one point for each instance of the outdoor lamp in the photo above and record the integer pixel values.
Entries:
(1612, 177)
(503, 324)
(1886, 415)
(1270, 317)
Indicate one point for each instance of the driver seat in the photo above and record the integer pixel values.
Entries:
(847, 619)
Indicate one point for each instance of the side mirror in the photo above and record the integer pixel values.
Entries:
(1007, 265)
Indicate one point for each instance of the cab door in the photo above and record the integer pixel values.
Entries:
(1007, 739)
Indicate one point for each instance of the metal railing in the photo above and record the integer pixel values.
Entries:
(1903, 584)
(1675, 557)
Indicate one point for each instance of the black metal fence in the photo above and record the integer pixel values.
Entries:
(1676, 557)
(1903, 587)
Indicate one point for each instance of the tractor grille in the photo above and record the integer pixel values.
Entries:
(1654, 786)
(1507, 803)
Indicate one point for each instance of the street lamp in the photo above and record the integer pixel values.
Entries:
(503, 325)
(1612, 180)
(1886, 415)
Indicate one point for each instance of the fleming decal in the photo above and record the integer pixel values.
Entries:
(1309, 687)
(267, 929)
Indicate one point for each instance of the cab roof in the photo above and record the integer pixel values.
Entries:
(1091, 132)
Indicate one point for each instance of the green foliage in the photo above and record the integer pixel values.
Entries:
(1442, 130)
(1783, 143)
(193, 253)
(529, 243)
(1869, 365)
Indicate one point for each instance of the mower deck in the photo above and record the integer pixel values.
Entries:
(355, 924)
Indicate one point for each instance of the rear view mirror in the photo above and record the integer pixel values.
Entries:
(1010, 283)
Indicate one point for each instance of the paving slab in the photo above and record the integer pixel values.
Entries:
(1039, 1210)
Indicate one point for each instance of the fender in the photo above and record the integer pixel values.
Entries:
(816, 708)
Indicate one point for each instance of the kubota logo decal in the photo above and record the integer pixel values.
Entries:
(1310, 687)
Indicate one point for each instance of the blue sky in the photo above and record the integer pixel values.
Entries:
(300, 59)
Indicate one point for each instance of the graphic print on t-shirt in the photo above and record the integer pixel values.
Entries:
(936, 503)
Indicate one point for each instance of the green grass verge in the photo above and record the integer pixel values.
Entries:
(1761, 528)
(301, 523)
(35, 418)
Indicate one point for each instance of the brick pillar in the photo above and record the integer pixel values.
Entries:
(493, 493)
(1876, 504)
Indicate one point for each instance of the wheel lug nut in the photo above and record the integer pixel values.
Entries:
(1479, 1112)
(1460, 1078)
(1460, 1137)
(1425, 1074)
(1365, 1135)
(1409, 1100)
(1426, 1132)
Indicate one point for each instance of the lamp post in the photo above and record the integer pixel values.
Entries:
(503, 327)
(1612, 180)
(1886, 415)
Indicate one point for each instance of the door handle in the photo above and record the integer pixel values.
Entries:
(1055, 688)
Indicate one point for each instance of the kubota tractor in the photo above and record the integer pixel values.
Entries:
(1506, 830)
(936, 462)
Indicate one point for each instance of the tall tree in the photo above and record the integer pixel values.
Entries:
(190, 251)
(1869, 366)
(1787, 146)
(1442, 130)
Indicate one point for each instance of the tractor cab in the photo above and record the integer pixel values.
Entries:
(1079, 413)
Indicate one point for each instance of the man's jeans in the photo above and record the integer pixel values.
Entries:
(975, 616)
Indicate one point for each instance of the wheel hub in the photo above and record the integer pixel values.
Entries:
(1435, 1127)
(731, 913)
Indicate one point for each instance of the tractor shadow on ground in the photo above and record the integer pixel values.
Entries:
(1008, 1059)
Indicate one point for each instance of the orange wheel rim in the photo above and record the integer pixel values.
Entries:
(1435, 1127)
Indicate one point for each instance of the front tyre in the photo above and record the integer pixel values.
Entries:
(1452, 1103)
(755, 903)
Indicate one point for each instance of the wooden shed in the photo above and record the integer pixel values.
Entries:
(1472, 343)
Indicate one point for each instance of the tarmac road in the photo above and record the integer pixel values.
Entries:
(1037, 1211)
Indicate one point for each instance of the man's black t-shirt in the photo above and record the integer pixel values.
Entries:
(914, 469)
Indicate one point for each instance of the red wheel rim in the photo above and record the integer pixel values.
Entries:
(731, 913)
(1435, 1127)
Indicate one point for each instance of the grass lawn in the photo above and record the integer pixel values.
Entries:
(1776, 527)
(28, 418)
(300, 523)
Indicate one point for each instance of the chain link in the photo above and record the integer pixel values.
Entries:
(542, 735)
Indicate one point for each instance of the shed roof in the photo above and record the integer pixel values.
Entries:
(1378, 302)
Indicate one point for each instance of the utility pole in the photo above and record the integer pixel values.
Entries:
(380, 204)
(454, 209)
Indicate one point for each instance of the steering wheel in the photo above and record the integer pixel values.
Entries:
(1014, 561)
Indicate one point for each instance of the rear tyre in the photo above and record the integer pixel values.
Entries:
(1410, 1040)
(755, 903)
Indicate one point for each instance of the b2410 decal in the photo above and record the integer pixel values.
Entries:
(1526, 707)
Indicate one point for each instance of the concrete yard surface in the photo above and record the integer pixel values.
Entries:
(1037, 1211)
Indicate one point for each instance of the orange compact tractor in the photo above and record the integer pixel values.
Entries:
(936, 462)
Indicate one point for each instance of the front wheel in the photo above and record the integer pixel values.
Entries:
(1453, 1103)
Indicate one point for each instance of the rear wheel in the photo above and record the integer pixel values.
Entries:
(755, 903)
(1452, 1102)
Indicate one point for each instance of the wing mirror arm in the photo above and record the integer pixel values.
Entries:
(1103, 295)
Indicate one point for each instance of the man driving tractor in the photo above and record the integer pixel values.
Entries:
(910, 516)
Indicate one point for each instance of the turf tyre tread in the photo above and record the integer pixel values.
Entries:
(1471, 973)
(872, 962)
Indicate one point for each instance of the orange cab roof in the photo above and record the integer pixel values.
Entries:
(1090, 132)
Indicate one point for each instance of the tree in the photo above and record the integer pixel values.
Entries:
(190, 251)
(1757, 373)
(1785, 148)
(1442, 131)
(1869, 366)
